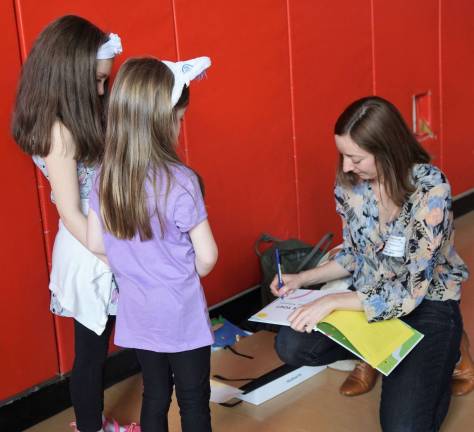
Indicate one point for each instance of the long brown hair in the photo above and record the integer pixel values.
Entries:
(377, 127)
(58, 82)
(140, 144)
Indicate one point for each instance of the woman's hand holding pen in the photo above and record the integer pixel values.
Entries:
(305, 318)
(291, 282)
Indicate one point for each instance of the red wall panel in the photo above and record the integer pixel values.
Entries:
(27, 341)
(259, 128)
(145, 30)
(238, 129)
(407, 58)
(332, 66)
(457, 42)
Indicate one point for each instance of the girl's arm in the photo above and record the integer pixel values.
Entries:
(205, 247)
(62, 173)
(95, 238)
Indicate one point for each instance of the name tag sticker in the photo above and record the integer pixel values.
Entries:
(395, 246)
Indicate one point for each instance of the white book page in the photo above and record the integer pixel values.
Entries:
(278, 311)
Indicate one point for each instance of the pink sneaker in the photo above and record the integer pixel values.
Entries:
(111, 425)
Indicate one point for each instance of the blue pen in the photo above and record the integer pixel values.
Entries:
(278, 264)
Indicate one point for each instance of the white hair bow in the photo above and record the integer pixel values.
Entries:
(110, 48)
(184, 72)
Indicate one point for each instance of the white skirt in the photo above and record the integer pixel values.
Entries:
(81, 283)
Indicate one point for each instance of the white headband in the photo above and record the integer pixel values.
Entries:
(184, 72)
(110, 48)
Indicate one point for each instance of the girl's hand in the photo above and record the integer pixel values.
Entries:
(291, 282)
(306, 317)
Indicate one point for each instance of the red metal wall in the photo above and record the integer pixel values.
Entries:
(27, 344)
(331, 66)
(259, 129)
(457, 90)
(238, 129)
(406, 46)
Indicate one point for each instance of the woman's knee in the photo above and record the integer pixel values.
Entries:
(295, 348)
(307, 349)
(285, 346)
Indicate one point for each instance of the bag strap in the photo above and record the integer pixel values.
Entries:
(264, 238)
(322, 245)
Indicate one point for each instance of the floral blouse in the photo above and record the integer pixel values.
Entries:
(425, 263)
(85, 175)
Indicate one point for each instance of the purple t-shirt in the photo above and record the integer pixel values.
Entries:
(161, 306)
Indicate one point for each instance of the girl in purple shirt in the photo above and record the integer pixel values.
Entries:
(148, 216)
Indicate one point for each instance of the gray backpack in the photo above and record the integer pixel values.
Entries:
(295, 256)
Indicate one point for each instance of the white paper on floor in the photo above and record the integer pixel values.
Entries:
(221, 392)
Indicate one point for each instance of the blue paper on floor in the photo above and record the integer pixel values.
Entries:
(226, 333)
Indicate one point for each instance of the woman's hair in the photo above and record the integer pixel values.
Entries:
(58, 82)
(377, 127)
(140, 146)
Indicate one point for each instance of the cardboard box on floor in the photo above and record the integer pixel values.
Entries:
(261, 377)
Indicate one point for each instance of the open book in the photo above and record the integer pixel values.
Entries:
(382, 344)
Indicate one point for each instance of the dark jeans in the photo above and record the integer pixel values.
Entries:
(189, 372)
(416, 395)
(87, 384)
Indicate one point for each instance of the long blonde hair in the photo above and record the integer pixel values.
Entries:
(140, 142)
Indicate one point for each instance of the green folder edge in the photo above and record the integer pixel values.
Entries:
(387, 365)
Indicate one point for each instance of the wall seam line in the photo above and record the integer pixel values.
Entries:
(372, 25)
(293, 123)
(184, 129)
(440, 89)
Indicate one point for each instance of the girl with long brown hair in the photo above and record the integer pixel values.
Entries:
(59, 120)
(148, 216)
(399, 251)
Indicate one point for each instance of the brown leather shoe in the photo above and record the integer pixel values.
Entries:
(361, 380)
(463, 375)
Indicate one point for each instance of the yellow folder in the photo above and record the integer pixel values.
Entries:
(375, 341)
